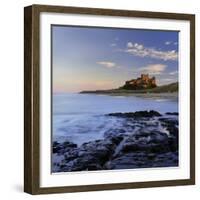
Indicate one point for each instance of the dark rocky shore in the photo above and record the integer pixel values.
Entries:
(146, 140)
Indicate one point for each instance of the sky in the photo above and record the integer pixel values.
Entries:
(89, 58)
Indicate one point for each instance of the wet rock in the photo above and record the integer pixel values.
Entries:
(150, 113)
(56, 147)
(171, 125)
(173, 130)
(169, 121)
(130, 161)
(100, 149)
(137, 114)
(154, 142)
(68, 144)
(116, 139)
(85, 163)
(143, 160)
(145, 139)
(114, 132)
(55, 143)
(90, 156)
(169, 159)
(173, 143)
(61, 148)
(171, 113)
(158, 137)
(71, 154)
(143, 149)
(151, 156)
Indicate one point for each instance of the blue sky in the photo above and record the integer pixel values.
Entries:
(86, 58)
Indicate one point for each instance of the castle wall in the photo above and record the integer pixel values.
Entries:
(141, 83)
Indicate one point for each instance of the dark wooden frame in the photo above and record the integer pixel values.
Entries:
(32, 104)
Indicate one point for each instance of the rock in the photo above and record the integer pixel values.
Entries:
(158, 148)
(116, 139)
(169, 121)
(68, 144)
(56, 147)
(128, 161)
(171, 113)
(173, 130)
(137, 114)
(150, 141)
(85, 163)
(169, 159)
(143, 160)
(114, 132)
(151, 156)
(171, 126)
(173, 143)
(90, 156)
(61, 148)
(145, 148)
(134, 146)
(55, 143)
(145, 139)
(71, 154)
(157, 137)
(150, 113)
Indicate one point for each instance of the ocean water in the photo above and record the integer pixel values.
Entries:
(81, 117)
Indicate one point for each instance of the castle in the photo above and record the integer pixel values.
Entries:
(143, 82)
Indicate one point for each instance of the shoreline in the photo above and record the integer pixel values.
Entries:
(170, 95)
(147, 139)
(164, 90)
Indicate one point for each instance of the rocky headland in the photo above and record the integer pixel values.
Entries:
(169, 89)
(147, 139)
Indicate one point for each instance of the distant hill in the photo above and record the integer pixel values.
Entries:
(172, 87)
(169, 88)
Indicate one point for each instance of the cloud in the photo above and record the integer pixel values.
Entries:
(142, 51)
(130, 45)
(107, 64)
(173, 73)
(153, 69)
(113, 45)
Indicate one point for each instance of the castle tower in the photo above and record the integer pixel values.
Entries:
(153, 81)
(144, 77)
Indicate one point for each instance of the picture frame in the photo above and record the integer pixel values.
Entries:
(35, 76)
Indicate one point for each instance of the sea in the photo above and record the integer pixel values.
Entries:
(81, 118)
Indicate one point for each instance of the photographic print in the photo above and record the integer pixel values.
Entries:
(115, 102)
(109, 99)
